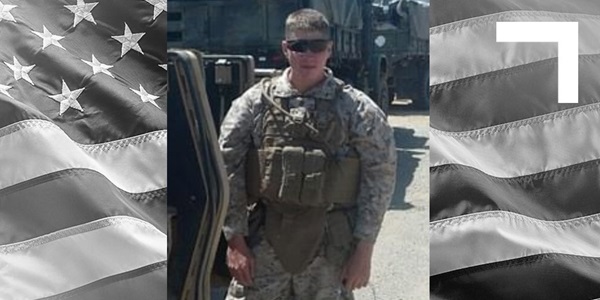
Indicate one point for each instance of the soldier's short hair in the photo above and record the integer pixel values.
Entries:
(307, 19)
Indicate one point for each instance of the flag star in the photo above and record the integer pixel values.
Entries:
(49, 38)
(145, 96)
(5, 12)
(159, 7)
(82, 11)
(4, 90)
(20, 71)
(164, 66)
(129, 41)
(68, 98)
(98, 67)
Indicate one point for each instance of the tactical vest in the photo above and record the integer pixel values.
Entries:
(296, 173)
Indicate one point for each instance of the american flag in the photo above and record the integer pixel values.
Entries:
(83, 149)
(515, 175)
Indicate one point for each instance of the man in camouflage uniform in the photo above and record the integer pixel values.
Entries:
(319, 244)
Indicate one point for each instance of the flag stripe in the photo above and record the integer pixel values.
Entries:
(14, 111)
(506, 96)
(534, 145)
(543, 276)
(69, 198)
(83, 151)
(515, 180)
(148, 282)
(108, 247)
(559, 194)
(135, 165)
(497, 236)
(487, 55)
(454, 10)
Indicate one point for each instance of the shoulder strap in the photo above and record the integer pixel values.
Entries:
(267, 98)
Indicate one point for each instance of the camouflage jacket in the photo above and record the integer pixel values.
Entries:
(368, 131)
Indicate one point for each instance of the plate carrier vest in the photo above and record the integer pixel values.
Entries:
(297, 175)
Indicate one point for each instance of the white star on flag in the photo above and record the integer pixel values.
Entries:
(4, 90)
(145, 96)
(129, 41)
(5, 12)
(82, 11)
(159, 7)
(20, 71)
(164, 66)
(98, 67)
(68, 98)
(49, 38)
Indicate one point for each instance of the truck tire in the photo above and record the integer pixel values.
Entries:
(422, 101)
(383, 96)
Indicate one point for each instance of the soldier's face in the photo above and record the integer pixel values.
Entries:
(307, 51)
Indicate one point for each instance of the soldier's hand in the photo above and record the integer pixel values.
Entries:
(240, 260)
(357, 270)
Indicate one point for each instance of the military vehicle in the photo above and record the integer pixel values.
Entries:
(198, 192)
(255, 27)
(198, 187)
(401, 34)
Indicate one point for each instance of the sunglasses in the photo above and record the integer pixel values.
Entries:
(315, 46)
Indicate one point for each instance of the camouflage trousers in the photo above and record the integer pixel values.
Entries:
(320, 280)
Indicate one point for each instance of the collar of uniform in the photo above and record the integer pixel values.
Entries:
(325, 90)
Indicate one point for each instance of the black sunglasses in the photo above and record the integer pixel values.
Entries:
(315, 46)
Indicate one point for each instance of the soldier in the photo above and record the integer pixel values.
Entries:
(314, 161)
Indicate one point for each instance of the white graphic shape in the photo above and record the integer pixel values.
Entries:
(129, 40)
(68, 98)
(4, 90)
(82, 11)
(159, 6)
(5, 12)
(49, 38)
(145, 96)
(98, 67)
(566, 34)
(20, 71)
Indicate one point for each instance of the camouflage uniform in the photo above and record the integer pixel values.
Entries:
(368, 133)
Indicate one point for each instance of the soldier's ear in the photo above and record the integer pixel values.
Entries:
(284, 49)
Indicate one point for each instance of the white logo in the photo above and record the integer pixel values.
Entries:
(566, 34)
(380, 41)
